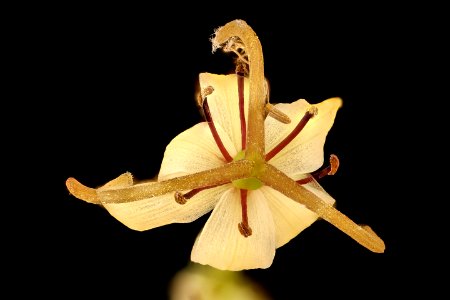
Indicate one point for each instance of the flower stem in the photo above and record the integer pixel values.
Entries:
(255, 132)
(285, 185)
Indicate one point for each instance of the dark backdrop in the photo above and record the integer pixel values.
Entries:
(120, 83)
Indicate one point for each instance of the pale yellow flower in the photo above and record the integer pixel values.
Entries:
(250, 164)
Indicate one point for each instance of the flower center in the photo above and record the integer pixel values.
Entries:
(250, 183)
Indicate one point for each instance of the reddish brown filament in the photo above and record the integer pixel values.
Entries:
(240, 78)
(243, 227)
(305, 180)
(330, 170)
(182, 198)
(308, 115)
(213, 129)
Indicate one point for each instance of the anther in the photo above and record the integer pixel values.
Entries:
(179, 198)
(243, 226)
(329, 170)
(313, 111)
(244, 229)
(203, 94)
(242, 69)
(183, 198)
(310, 113)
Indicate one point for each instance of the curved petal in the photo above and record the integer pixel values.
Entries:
(291, 217)
(192, 151)
(304, 154)
(220, 243)
(223, 103)
(162, 210)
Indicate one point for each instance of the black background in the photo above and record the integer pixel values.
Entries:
(118, 83)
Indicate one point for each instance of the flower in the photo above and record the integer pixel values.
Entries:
(251, 163)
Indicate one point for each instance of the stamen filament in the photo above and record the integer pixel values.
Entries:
(285, 185)
(242, 110)
(244, 227)
(329, 170)
(308, 115)
(252, 47)
(217, 176)
(305, 180)
(182, 198)
(214, 133)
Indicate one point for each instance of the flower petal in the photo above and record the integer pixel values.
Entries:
(304, 154)
(162, 210)
(223, 103)
(221, 245)
(192, 151)
(291, 217)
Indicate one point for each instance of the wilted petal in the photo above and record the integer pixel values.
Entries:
(304, 154)
(162, 210)
(224, 103)
(192, 151)
(221, 245)
(291, 217)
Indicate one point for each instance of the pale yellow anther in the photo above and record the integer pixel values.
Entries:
(313, 111)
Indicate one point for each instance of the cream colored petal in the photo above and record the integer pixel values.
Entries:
(220, 243)
(305, 153)
(192, 151)
(162, 210)
(224, 103)
(291, 217)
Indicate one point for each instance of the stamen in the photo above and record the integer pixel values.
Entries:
(182, 198)
(242, 67)
(330, 170)
(310, 113)
(243, 227)
(240, 78)
(203, 94)
(213, 129)
(305, 180)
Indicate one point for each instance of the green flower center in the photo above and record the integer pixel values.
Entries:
(250, 183)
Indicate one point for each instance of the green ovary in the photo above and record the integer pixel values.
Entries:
(251, 183)
(248, 183)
